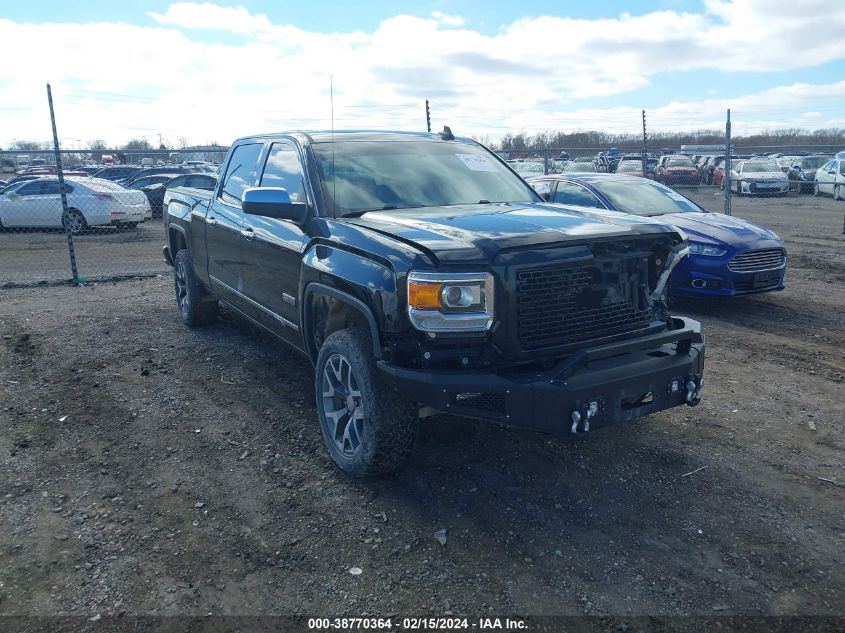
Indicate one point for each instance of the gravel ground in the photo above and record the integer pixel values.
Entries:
(31, 257)
(151, 469)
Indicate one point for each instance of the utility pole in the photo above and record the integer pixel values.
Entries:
(726, 180)
(61, 174)
(645, 148)
(427, 116)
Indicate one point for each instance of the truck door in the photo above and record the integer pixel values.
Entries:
(224, 223)
(272, 249)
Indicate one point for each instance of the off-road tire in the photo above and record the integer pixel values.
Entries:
(389, 421)
(195, 304)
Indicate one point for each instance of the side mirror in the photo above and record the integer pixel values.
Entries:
(273, 202)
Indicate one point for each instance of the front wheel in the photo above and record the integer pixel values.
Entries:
(816, 190)
(196, 306)
(368, 428)
(837, 193)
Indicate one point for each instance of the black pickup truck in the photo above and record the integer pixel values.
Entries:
(419, 273)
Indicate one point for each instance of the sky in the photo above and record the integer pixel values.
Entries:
(198, 72)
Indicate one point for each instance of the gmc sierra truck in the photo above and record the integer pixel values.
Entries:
(418, 274)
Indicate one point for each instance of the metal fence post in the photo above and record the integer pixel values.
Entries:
(545, 161)
(645, 149)
(726, 180)
(60, 173)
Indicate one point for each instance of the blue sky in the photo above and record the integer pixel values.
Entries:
(124, 68)
(337, 15)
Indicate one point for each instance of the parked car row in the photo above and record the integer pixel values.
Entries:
(121, 196)
(92, 202)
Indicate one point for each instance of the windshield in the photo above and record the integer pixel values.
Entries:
(582, 166)
(679, 161)
(759, 166)
(813, 162)
(13, 187)
(381, 175)
(642, 197)
(629, 166)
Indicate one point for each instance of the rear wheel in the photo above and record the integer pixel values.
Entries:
(129, 226)
(368, 428)
(75, 221)
(816, 190)
(196, 305)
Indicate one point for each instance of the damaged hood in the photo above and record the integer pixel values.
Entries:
(478, 233)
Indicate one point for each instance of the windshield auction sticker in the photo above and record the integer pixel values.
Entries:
(476, 163)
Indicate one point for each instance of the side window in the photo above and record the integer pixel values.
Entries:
(31, 189)
(569, 193)
(543, 187)
(283, 170)
(828, 165)
(200, 182)
(51, 188)
(842, 167)
(241, 172)
(179, 181)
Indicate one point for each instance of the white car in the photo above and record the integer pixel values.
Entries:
(830, 178)
(91, 202)
(760, 176)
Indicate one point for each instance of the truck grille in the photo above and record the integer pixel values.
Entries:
(753, 261)
(554, 307)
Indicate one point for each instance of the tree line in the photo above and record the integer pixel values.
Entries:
(789, 137)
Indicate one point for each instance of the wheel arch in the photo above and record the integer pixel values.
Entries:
(177, 239)
(327, 309)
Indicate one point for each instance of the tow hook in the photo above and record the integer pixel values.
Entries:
(693, 397)
(581, 423)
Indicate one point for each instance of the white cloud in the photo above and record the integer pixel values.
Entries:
(528, 75)
(446, 19)
(206, 15)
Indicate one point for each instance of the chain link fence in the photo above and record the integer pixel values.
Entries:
(112, 227)
(114, 210)
(778, 187)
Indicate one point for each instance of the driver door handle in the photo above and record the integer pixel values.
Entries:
(248, 233)
(212, 221)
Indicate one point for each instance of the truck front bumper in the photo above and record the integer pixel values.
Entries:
(594, 387)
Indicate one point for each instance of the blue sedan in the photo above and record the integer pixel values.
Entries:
(728, 256)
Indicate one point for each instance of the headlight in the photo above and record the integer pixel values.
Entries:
(704, 249)
(450, 302)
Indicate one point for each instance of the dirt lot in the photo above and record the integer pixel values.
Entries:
(29, 257)
(147, 468)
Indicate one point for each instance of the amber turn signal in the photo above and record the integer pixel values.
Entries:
(424, 296)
